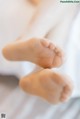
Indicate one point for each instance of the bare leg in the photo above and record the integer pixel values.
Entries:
(49, 14)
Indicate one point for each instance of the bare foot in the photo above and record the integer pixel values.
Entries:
(53, 87)
(36, 2)
(40, 52)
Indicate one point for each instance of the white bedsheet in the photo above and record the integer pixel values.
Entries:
(12, 26)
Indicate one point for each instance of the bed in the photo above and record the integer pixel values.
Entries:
(15, 104)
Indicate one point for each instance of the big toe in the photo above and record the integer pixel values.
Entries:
(59, 57)
(67, 92)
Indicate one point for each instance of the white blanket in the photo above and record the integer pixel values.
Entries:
(14, 18)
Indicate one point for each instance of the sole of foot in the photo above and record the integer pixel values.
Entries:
(38, 51)
(53, 87)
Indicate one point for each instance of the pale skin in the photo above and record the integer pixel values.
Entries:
(35, 2)
(51, 86)
(38, 51)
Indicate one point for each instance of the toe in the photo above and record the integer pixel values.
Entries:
(59, 57)
(45, 42)
(57, 61)
(48, 44)
(67, 91)
(64, 98)
(59, 52)
(51, 46)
